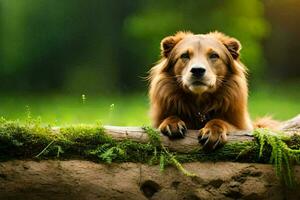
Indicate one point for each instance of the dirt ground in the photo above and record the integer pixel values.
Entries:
(77, 179)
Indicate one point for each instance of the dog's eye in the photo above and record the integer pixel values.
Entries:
(214, 56)
(185, 55)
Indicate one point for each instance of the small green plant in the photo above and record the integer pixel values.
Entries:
(45, 149)
(111, 112)
(282, 156)
(164, 156)
(59, 150)
(83, 97)
(112, 153)
(162, 162)
(154, 136)
(28, 114)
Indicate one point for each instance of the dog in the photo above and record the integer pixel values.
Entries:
(199, 83)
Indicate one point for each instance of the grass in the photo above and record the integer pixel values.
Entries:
(281, 102)
(62, 110)
(131, 110)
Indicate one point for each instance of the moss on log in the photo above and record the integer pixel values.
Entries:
(121, 144)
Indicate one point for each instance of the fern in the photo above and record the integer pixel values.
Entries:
(281, 155)
(108, 152)
(112, 153)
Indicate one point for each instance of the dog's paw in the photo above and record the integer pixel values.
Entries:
(213, 134)
(173, 127)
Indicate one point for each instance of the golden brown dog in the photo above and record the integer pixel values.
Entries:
(199, 83)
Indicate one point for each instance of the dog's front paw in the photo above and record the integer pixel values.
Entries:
(173, 127)
(213, 135)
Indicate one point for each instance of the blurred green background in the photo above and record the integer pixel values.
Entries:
(54, 51)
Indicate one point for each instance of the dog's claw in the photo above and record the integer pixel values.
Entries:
(205, 139)
(181, 132)
(206, 142)
(217, 143)
(212, 136)
(169, 130)
(204, 136)
(174, 128)
(181, 129)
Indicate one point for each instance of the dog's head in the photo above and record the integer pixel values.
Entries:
(201, 63)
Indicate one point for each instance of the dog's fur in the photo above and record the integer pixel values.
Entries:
(215, 103)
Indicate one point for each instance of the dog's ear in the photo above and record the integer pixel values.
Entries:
(168, 43)
(232, 44)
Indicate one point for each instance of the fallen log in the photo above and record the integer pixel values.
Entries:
(187, 144)
(190, 142)
(30, 140)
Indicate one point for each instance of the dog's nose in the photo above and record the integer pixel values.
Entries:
(198, 71)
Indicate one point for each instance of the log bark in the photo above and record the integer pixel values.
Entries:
(190, 142)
